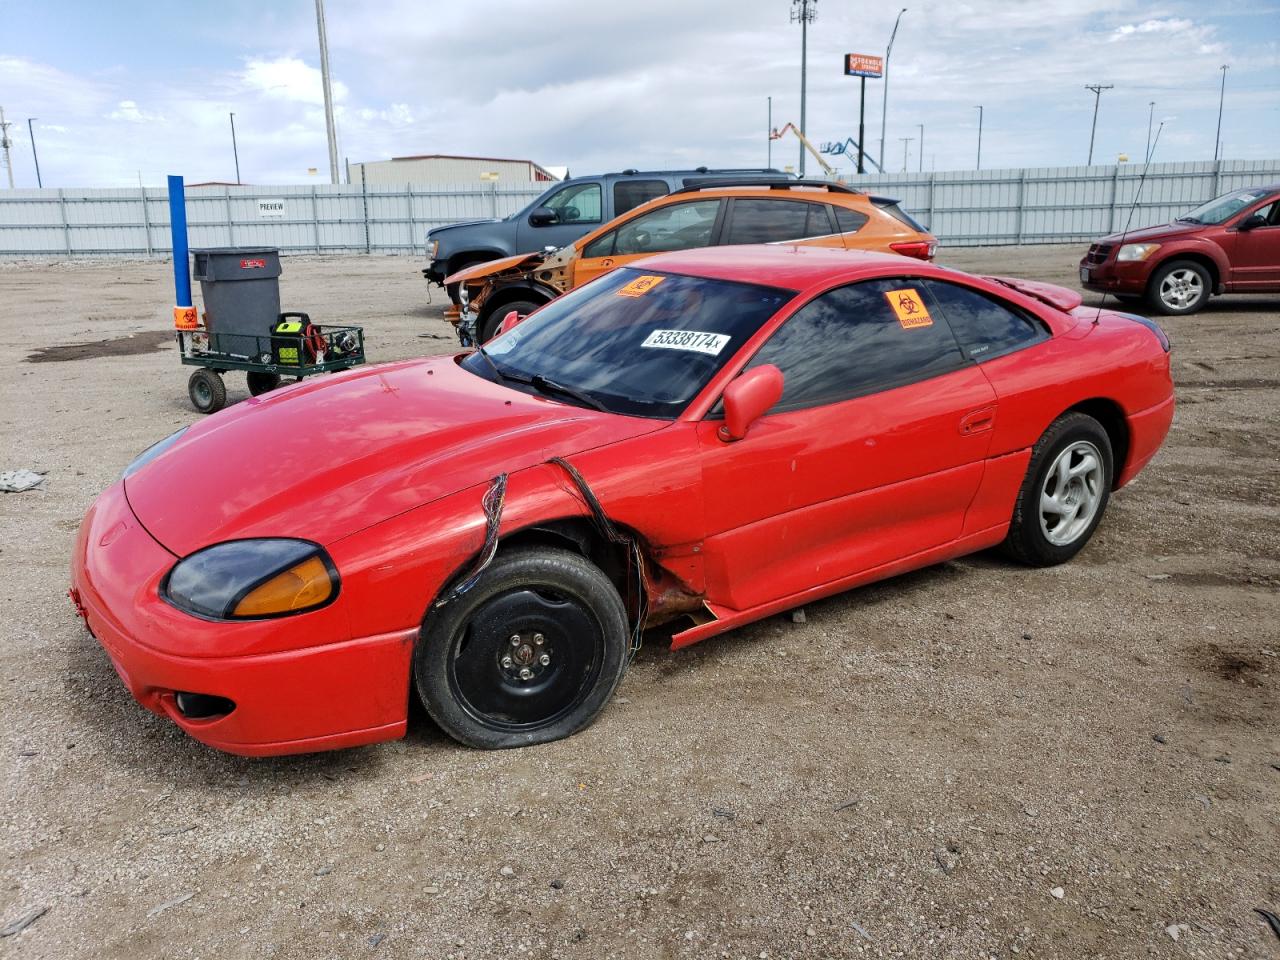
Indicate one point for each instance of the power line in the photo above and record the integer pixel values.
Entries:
(1097, 89)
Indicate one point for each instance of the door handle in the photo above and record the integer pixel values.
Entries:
(978, 421)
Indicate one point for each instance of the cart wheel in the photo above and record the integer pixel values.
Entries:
(207, 391)
(260, 383)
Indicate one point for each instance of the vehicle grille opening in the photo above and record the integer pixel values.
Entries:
(202, 706)
(1098, 252)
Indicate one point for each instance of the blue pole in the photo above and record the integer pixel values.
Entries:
(178, 229)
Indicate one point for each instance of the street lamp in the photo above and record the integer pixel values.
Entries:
(34, 156)
(979, 109)
(803, 12)
(884, 103)
(921, 126)
(906, 143)
(1217, 137)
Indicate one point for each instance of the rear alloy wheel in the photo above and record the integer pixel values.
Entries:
(1180, 287)
(489, 328)
(531, 653)
(1065, 492)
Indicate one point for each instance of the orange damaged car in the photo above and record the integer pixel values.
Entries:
(817, 213)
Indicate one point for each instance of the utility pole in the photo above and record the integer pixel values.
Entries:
(884, 102)
(921, 126)
(1097, 89)
(906, 143)
(768, 133)
(1217, 137)
(1151, 113)
(234, 151)
(34, 156)
(5, 144)
(980, 111)
(328, 93)
(803, 12)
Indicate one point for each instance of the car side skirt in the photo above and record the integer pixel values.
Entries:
(728, 619)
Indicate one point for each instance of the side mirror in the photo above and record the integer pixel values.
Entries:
(543, 217)
(748, 398)
(1252, 221)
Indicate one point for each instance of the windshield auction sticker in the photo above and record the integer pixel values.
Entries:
(640, 286)
(909, 308)
(695, 340)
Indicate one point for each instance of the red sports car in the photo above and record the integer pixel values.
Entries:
(708, 437)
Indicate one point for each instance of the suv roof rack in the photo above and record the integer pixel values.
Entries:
(829, 185)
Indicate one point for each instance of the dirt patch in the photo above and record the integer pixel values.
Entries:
(127, 346)
(1234, 667)
(1256, 383)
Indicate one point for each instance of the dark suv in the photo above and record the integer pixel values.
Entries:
(565, 212)
(1229, 245)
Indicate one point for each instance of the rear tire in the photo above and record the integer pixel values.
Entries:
(1179, 287)
(570, 650)
(260, 383)
(493, 319)
(207, 391)
(1064, 494)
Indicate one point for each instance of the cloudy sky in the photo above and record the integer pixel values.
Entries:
(143, 88)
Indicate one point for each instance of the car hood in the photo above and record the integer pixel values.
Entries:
(493, 267)
(436, 231)
(332, 455)
(1164, 231)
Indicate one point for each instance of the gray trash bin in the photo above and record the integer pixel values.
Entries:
(241, 291)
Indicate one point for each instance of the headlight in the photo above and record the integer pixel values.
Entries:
(153, 451)
(252, 580)
(432, 247)
(1136, 251)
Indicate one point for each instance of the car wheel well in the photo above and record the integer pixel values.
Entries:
(1111, 416)
(469, 258)
(1215, 279)
(512, 293)
(581, 536)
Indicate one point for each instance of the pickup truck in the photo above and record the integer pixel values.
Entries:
(567, 210)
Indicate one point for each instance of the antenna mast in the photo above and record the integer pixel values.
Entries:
(1097, 89)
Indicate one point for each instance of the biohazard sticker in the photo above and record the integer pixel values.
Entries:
(909, 308)
(695, 340)
(640, 286)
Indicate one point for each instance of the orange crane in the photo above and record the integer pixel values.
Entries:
(779, 134)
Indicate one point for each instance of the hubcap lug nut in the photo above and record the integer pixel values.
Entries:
(525, 673)
(544, 659)
(538, 639)
(506, 662)
(515, 641)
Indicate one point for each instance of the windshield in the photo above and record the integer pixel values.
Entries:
(633, 342)
(1221, 209)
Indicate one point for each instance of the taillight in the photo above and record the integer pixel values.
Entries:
(920, 249)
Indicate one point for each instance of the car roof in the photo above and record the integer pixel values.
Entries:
(792, 266)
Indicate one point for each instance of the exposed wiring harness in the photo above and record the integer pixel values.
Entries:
(495, 499)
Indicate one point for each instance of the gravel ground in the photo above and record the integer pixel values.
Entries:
(975, 760)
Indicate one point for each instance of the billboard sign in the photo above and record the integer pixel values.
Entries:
(863, 65)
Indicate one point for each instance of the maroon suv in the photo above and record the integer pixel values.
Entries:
(1228, 245)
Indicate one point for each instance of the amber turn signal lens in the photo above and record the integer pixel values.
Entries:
(298, 588)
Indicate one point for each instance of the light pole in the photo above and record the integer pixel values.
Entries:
(768, 134)
(34, 156)
(803, 12)
(1151, 112)
(921, 126)
(1097, 89)
(328, 93)
(234, 151)
(980, 112)
(884, 103)
(906, 143)
(1217, 137)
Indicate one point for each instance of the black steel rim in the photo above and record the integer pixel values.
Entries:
(525, 659)
(203, 392)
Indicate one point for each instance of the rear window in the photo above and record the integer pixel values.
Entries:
(892, 208)
(629, 194)
(850, 221)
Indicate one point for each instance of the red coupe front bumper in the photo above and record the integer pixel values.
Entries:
(324, 693)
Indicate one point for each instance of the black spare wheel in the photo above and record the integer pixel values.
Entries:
(531, 653)
(207, 391)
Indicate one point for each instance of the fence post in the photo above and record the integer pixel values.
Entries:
(231, 233)
(364, 199)
(66, 225)
(1115, 187)
(413, 227)
(146, 220)
(315, 217)
(1022, 200)
(932, 176)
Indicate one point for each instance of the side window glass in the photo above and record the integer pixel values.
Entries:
(577, 204)
(850, 221)
(679, 226)
(756, 220)
(985, 327)
(601, 246)
(857, 340)
(629, 194)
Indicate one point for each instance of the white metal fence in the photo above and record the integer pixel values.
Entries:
(965, 208)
